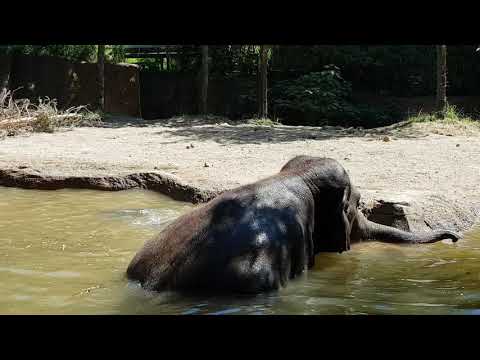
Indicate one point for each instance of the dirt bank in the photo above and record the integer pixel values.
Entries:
(408, 176)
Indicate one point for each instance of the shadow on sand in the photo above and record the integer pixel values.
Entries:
(224, 131)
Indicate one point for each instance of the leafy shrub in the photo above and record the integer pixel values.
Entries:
(324, 98)
(452, 115)
(69, 52)
(317, 97)
(113, 53)
(262, 122)
(43, 123)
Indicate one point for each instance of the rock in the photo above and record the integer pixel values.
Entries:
(457, 145)
(416, 210)
(206, 165)
(386, 138)
(397, 210)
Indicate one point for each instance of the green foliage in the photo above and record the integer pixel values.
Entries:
(114, 53)
(262, 122)
(322, 92)
(148, 64)
(324, 98)
(454, 122)
(402, 70)
(399, 70)
(452, 115)
(43, 123)
(69, 52)
(319, 96)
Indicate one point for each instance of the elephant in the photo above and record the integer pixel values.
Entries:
(257, 237)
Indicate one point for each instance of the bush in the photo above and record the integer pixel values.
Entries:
(321, 98)
(262, 122)
(43, 123)
(318, 97)
(452, 115)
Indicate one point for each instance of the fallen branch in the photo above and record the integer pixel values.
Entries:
(21, 116)
(33, 118)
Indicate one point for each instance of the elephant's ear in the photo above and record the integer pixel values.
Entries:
(345, 243)
(333, 233)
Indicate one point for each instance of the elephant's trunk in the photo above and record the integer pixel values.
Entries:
(368, 230)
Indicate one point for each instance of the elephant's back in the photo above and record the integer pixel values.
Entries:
(161, 255)
(243, 223)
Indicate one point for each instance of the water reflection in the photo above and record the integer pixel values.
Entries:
(66, 251)
(144, 217)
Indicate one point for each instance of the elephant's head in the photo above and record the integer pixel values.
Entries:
(329, 184)
(338, 220)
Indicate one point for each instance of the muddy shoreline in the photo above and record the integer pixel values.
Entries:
(401, 210)
(162, 183)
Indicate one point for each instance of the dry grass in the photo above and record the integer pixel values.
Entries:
(454, 123)
(448, 128)
(262, 122)
(19, 116)
(192, 120)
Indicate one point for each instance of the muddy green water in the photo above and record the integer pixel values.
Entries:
(66, 251)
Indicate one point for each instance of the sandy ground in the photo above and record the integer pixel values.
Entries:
(410, 161)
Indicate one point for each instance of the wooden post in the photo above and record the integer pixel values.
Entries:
(168, 60)
(262, 96)
(259, 86)
(139, 92)
(441, 95)
(101, 77)
(203, 106)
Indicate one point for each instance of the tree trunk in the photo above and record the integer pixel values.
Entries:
(204, 81)
(168, 61)
(262, 95)
(441, 95)
(259, 87)
(101, 77)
